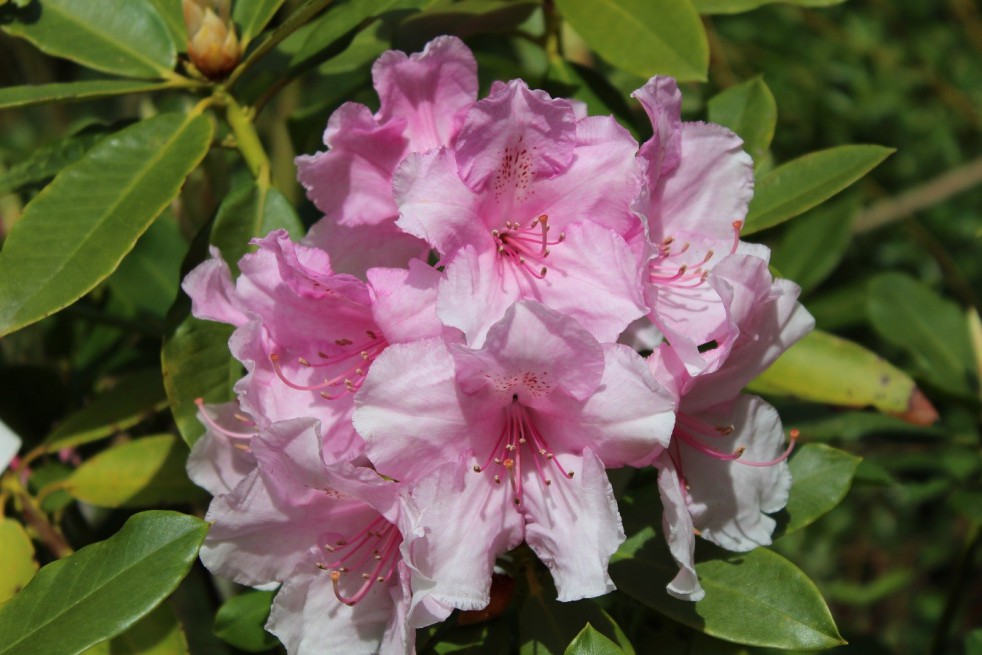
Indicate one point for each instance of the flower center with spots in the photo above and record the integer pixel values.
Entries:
(520, 444)
(526, 247)
(370, 555)
(350, 366)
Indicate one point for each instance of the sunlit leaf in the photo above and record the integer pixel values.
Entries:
(800, 184)
(132, 399)
(149, 276)
(103, 589)
(241, 618)
(125, 37)
(158, 633)
(644, 37)
(173, 17)
(141, 473)
(75, 232)
(749, 110)
(825, 368)
(44, 162)
(17, 565)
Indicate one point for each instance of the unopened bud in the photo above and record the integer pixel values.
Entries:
(212, 44)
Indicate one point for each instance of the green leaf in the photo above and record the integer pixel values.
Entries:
(569, 79)
(756, 598)
(251, 210)
(814, 244)
(820, 478)
(173, 17)
(853, 426)
(103, 589)
(591, 642)
(644, 37)
(45, 162)
(930, 328)
(123, 37)
(251, 16)
(17, 565)
(749, 110)
(150, 276)
(36, 94)
(132, 400)
(240, 621)
(803, 183)
(197, 364)
(75, 232)
(140, 473)
(464, 18)
(739, 6)
(158, 633)
(825, 368)
(973, 643)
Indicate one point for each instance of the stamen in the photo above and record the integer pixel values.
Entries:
(794, 434)
(516, 243)
(215, 427)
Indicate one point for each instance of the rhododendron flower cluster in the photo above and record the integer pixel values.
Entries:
(505, 298)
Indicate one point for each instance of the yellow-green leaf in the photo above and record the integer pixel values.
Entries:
(17, 565)
(749, 110)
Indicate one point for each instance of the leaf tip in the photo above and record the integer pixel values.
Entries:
(919, 411)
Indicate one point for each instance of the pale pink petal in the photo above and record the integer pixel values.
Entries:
(626, 422)
(513, 136)
(466, 521)
(352, 182)
(573, 526)
(530, 353)
(355, 249)
(429, 90)
(710, 189)
(473, 294)
(679, 532)
(404, 301)
(662, 101)
(435, 205)
(598, 186)
(307, 270)
(310, 620)
(728, 499)
(691, 316)
(212, 292)
(408, 404)
(219, 461)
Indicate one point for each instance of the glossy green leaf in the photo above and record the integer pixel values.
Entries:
(251, 210)
(739, 6)
(825, 368)
(45, 162)
(173, 17)
(75, 232)
(800, 184)
(197, 364)
(930, 328)
(36, 94)
(820, 478)
(251, 16)
(150, 275)
(17, 565)
(749, 110)
(815, 243)
(130, 401)
(464, 18)
(643, 37)
(140, 473)
(158, 633)
(591, 642)
(124, 37)
(240, 621)
(103, 589)
(756, 598)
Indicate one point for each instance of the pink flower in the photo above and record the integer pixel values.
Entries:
(333, 534)
(698, 182)
(726, 468)
(423, 98)
(529, 202)
(307, 335)
(509, 442)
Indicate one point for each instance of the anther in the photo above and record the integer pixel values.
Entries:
(477, 469)
(302, 361)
